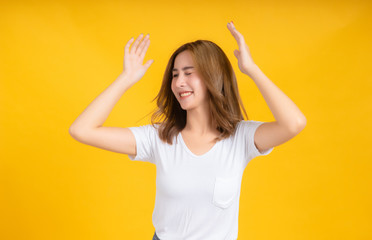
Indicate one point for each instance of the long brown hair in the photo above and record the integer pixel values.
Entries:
(218, 75)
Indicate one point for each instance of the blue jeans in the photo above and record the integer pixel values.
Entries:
(155, 237)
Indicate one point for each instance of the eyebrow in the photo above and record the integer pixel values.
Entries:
(185, 68)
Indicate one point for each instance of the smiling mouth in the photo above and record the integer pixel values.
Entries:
(183, 95)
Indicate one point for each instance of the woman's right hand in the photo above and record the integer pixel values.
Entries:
(133, 58)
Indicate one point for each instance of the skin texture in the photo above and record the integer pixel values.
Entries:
(245, 60)
(133, 68)
(198, 117)
(88, 127)
(289, 120)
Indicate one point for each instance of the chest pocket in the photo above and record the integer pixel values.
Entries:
(225, 191)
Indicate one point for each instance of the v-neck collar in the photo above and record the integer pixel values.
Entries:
(194, 155)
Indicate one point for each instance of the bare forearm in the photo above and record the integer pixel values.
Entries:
(283, 108)
(97, 111)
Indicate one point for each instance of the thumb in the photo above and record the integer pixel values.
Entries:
(236, 53)
(148, 63)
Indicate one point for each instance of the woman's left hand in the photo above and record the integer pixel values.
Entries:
(245, 61)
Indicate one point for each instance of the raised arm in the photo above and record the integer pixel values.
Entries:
(290, 121)
(88, 129)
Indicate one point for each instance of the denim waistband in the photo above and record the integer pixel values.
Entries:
(155, 237)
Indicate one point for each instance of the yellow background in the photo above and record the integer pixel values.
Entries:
(57, 56)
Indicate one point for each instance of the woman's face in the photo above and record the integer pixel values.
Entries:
(186, 79)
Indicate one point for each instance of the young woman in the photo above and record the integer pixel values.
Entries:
(203, 144)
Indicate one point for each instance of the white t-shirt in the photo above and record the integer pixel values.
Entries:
(197, 196)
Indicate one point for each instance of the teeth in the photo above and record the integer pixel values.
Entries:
(185, 94)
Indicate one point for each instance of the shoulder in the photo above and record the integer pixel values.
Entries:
(247, 128)
(248, 124)
(145, 130)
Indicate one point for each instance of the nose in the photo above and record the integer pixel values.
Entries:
(180, 81)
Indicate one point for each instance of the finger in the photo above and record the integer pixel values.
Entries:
(135, 44)
(144, 50)
(126, 51)
(142, 45)
(233, 31)
(231, 27)
(236, 53)
(148, 63)
(237, 35)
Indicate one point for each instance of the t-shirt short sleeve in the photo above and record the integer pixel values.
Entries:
(249, 128)
(145, 136)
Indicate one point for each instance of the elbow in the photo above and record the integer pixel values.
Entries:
(301, 123)
(78, 132)
(73, 131)
(296, 126)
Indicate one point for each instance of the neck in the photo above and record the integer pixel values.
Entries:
(199, 122)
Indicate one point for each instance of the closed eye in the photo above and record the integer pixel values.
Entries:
(175, 75)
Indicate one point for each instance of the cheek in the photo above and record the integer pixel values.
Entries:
(202, 88)
(172, 89)
(171, 86)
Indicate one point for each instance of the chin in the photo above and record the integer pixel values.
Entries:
(187, 107)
